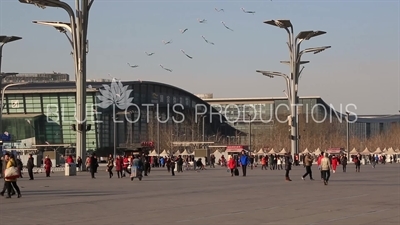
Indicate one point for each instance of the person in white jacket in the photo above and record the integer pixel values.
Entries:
(325, 168)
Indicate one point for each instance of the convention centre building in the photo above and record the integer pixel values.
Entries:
(39, 114)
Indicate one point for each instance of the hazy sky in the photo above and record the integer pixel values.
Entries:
(362, 67)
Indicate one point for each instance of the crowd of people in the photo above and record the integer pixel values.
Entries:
(139, 165)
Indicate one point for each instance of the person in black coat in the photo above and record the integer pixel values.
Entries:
(93, 165)
(288, 165)
(30, 164)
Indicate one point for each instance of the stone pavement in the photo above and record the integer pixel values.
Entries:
(209, 197)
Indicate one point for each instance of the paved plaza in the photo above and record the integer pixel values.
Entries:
(209, 197)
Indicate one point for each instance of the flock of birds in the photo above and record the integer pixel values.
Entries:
(202, 21)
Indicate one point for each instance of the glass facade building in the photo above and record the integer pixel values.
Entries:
(45, 114)
(264, 112)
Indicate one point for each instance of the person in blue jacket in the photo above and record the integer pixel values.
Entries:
(244, 160)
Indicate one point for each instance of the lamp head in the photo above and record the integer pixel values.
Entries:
(280, 23)
(265, 73)
(307, 35)
(7, 39)
(39, 3)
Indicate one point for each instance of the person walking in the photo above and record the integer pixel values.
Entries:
(118, 166)
(172, 165)
(288, 166)
(244, 160)
(79, 163)
(357, 162)
(232, 165)
(334, 163)
(308, 160)
(325, 168)
(110, 165)
(30, 164)
(11, 183)
(344, 163)
(93, 165)
(47, 165)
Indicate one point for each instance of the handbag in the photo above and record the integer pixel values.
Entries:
(11, 173)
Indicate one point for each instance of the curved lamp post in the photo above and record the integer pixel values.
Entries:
(78, 28)
(295, 62)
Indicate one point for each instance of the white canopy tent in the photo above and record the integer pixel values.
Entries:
(283, 151)
(317, 152)
(306, 151)
(390, 151)
(185, 153)
(153, 153)
(164, 153)
(353, 152)
(365, 152)
(271, 152)
(378, 151)
(261, 152)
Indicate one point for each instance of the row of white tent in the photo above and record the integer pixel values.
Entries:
(366, 151)
(167, 153)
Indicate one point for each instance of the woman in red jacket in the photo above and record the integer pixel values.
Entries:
(47, 165)
(335, 163)
(232, 165)
(118, 166)
(70, 160)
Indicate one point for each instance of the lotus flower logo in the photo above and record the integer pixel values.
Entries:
(116, 94)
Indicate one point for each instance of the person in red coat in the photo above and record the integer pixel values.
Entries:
(118, 166)
(232, 165)
(335, 163)
(70, 160)
(47, 165)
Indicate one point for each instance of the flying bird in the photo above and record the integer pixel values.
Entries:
(245, 11)
(209, 42)
(190, 57)
(149, 54)
(167, 42)
(226, 26)
(169, 70)
(184, 30)
(132, 66)
(202, 21)
(219, 10)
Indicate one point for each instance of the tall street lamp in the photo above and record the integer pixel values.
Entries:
(115, 117)
(295, 62)
(158, 136)
(204, 133)
(348, 135)
(2, 101)
(77, 26)
(250, 130)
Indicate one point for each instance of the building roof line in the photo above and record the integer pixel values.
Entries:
(256, 98)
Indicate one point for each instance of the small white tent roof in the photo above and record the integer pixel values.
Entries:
(164, 153)
(365, 152)
(317, 152)
(283, 151)
(185, 152)
(216, 152)
(153, 153)
(378, 151)
(306, 151)
(353, 152)
(390, 152)
(272, 151)
(261, 152)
